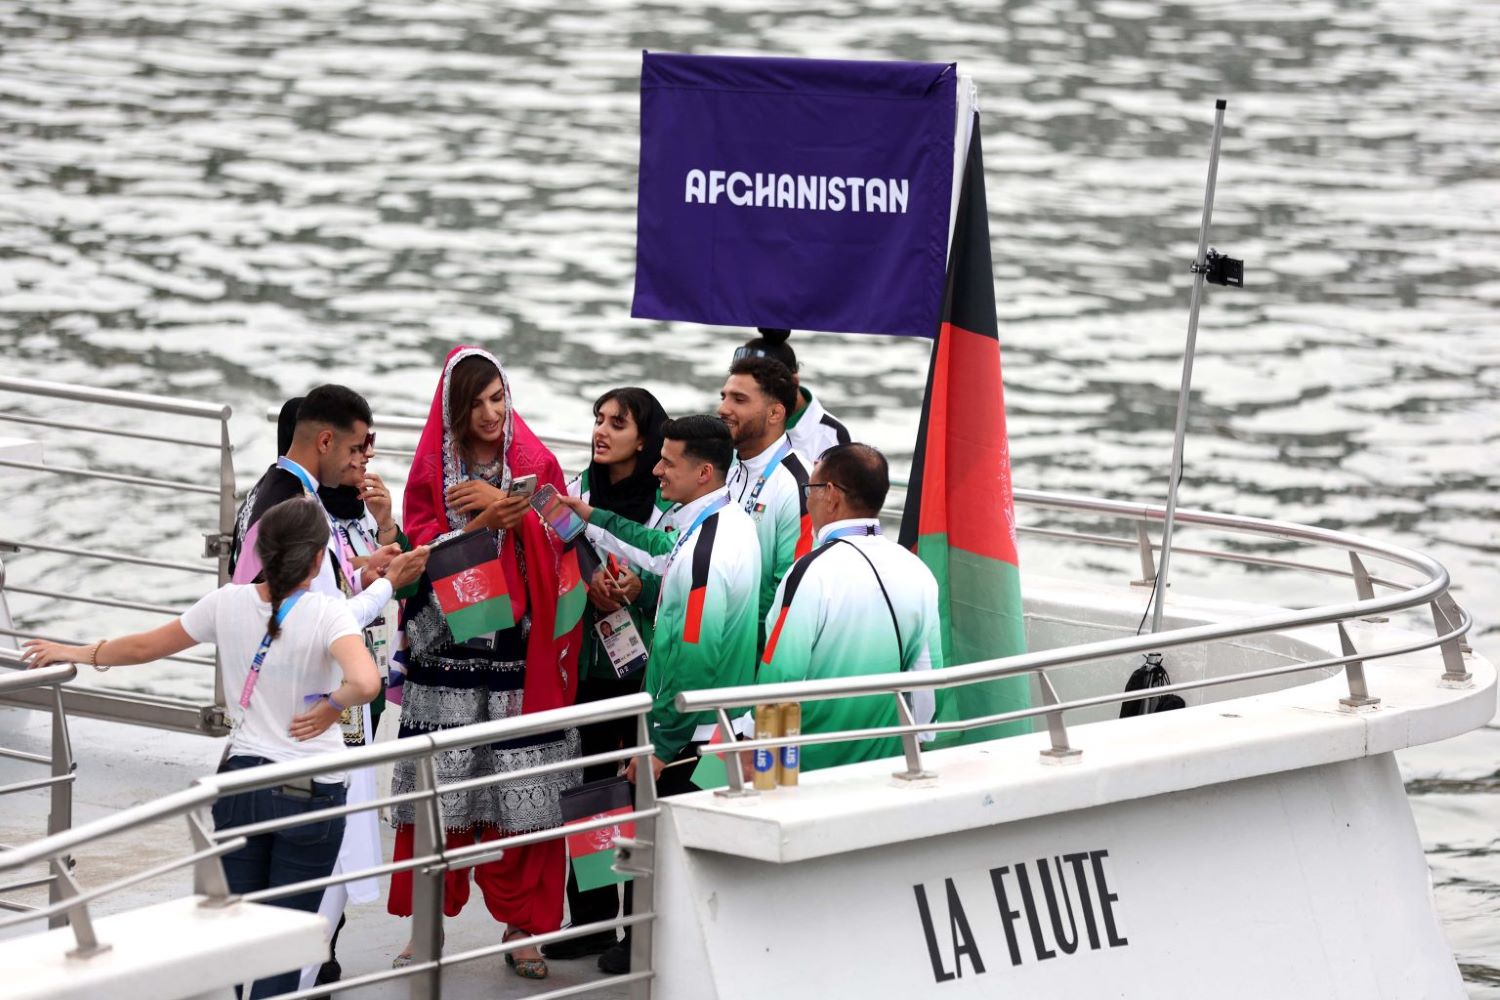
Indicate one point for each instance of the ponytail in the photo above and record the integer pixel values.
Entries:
(291, 535)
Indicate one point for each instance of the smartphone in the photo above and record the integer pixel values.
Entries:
(523, 486)
(565, 524)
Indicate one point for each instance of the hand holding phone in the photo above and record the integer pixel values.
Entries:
(565, 524)
(523, 486)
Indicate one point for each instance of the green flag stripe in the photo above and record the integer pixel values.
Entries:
(984, 595)
(569, 610)
(595, 870)
(482, 618)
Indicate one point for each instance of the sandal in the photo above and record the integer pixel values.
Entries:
(404, 959)
(526, 968)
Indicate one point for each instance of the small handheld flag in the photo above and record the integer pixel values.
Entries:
(469, 584)
(593, 851)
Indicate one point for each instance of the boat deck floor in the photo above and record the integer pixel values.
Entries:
(121, 766)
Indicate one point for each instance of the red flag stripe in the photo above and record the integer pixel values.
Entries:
(694, 624)
(775, 635)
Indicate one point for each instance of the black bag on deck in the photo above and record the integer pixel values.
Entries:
(1150, 674)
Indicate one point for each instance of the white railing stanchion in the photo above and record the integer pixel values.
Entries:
(643, 869)
(910, 743)
(1455, 672)
(732, 765)
(1059, 752)
(427, 886)
(60, 815)
(1359, 699)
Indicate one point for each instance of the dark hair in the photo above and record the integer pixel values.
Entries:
(635, 495)
(470, 377)
(335, 406)
(771, 343)
(704, 439)
(286, 424)
(773, 377)
(861, 472)
(292, 533)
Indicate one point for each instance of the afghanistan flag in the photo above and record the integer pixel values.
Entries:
(571, 592)
(593, 851)
(469, 584)
(959, 515)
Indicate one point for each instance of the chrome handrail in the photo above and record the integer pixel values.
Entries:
(62, 766)
(428, 865)
(1451, 623)
(204, 717)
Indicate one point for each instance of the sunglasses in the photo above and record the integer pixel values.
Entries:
(369, 445)
(751, 352)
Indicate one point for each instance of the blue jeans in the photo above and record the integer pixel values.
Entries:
(282, 857)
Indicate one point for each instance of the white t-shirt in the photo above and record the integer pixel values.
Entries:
(298, 664)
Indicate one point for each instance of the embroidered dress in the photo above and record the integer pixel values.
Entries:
(521, 669)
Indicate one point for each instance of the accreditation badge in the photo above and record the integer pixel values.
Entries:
(378, 636)
(622, 642)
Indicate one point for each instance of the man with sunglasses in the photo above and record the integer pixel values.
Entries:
(857, 604)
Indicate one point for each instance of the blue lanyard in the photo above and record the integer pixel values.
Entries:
(302, 474)
(854, 529)
(770, 470)
(703, 515)
(287, 605)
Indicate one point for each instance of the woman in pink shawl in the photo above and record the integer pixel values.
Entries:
(473, 446)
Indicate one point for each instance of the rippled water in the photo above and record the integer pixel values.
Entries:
(232, 201)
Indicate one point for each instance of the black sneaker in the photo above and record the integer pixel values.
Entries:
(616, 959)
(579, 947)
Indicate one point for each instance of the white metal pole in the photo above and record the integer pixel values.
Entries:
(1200, 265)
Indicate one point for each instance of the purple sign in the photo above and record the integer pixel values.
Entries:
(796, 193)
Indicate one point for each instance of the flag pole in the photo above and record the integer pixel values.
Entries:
(1210, 266)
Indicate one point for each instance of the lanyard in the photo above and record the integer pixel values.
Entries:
(767, 473)
(854, 529)
(342, 547)
(265, 645)
(302, 474)
(703, 515)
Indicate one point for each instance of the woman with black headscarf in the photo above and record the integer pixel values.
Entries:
(619, 478)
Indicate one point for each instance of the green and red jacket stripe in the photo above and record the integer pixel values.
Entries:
(959, 515)
(830, 619)
(706, 624)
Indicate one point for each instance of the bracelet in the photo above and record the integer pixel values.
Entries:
(336, 706)
(94, 656)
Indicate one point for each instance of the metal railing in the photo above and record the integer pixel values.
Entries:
(123, 706)
(1450, 624)
(431, 857)
(59, 782)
